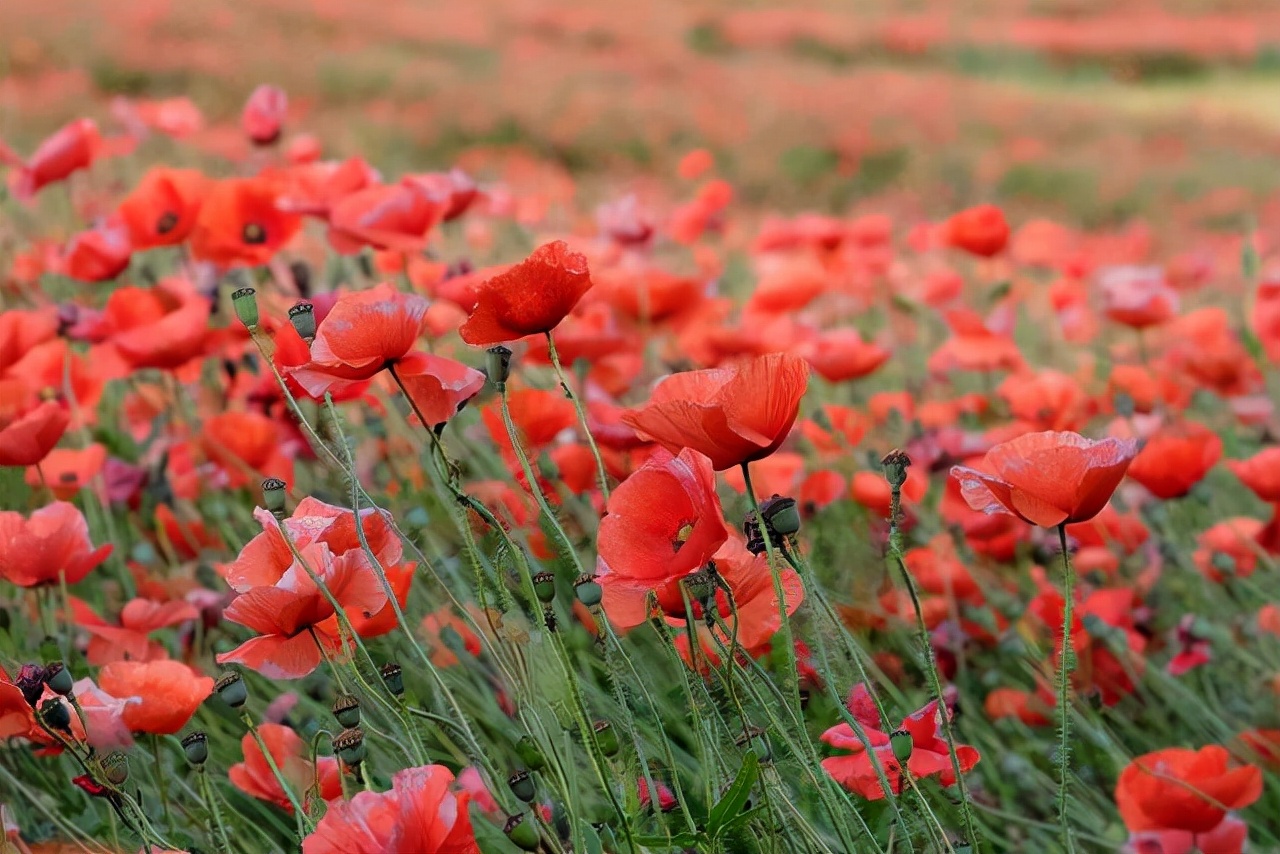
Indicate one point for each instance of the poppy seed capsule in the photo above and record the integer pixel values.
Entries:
(544, 586)
(781, 515)
(393, 678)
(54, 714)
(245, 303)
(349, 746)
(588, 590)
(115, 765)
(303, 318)
(895, 464)
(58, 678)
(346, 709)
(530, 754)
(902, 744)
(522, 834)
(522, 786)
(232, 690)
(196, 746)
(273, 496)
(498, 365)
(606, 737)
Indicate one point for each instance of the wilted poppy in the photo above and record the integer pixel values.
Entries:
(530, 298)
(240, 223)
(162, 695)
(162, 209)
(71, 148)
(1047, 479)
(49, 547)
(420, 813)
(1181, 789)
(264, 113)
(980, 231)
(1175, 459)
(256, 778)
(732, 415)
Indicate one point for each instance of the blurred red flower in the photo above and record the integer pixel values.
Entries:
(1175, 459)
(162, 209)
(161, 695)
(255, 778)
(1181, 789)
(980, 231)
(240, 223)
(264, 113)
(73, 147)
(49, 546)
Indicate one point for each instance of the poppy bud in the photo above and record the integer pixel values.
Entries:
(231, 689)
(606, 737)
(781, 515)
(522, 786)
(30, 682)
(245, 302)
(58, 678)
(115, 765)
(196, 746)
(522, 835)
(758, 739)
(588, 590)
(530, 754)
(902, 743)
(349, 746)
(498, 365)
(544, 585)
(303, 318)
(273, 496)
(701, 586)
(895, 464)
(55, 715)
(393, 678)
(346, 709)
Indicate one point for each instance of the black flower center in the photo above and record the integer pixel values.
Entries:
(167, 223)
(254, 234)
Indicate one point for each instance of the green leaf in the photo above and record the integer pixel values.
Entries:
(730, 806)
(687, 839)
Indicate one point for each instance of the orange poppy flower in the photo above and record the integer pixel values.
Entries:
(247, 446)
(776, 474)
(99, 254)
(1181, 789)
(530, 298)
(162, 695)
(68, 470)
(51, 545)
(819, 490)
(1175, 459)
(28, 430)
(648, 294)
(162, 209)
(1261, 473)
(438, 387)
(255, 777)
(1047, 479)
(73, 147)
(421, 812)
(395, 217)
(264, 113)
(240, 223)
(364, 333)
(842, 428)
(1031, 709)
(872, 491)
(980, 231)
(733, 415)
(841, 354)
(21, 331)
(161, 327)
(539, 415)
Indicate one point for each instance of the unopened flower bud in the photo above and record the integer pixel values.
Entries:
(522, 786)
(523, 835)
(196, 746)
(58, 678)
(349, 746)
(393, 678)
(588, 590)
(606, 737)
(115, 766)
(55, 715)
(895, 464)
(231, 689)
(544, 586)
(273, 495)
(245, 303)
(781, 515)
(346, 709)
(530, 754)
(303, 318)
(498, 365)
(902, 744)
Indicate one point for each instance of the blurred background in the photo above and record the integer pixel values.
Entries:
(1097, 112)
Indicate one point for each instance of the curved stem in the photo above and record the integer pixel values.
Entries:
(582, 416)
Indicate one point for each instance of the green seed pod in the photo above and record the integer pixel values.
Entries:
(115, 766)
(303, 318)
(498, 365)
(522, 786)
(245, 303)
(232, 690)
(524, 835)
(349, 746)
(196, 746)
(393, 678)
(781, 515)
(606, 737)
(895, 465)
(588, 590)
(530, 754)
(902, 743)
(346, 709)
(544, 587)
(58, 678)
(273, 496)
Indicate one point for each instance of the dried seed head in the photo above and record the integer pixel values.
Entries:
(896, 463)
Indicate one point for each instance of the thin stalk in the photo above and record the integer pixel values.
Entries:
(582, 416)
(1064, 693)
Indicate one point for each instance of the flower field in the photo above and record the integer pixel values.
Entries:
(685, 427)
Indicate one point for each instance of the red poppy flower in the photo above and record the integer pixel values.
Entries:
(930, 753)
(255, 777)
(663, 523)
(732, 415)
(67, 470)
(51, 545)
(162, 209)
(1180, 789)
(74, 146)
(434, 626)
(1228, 547)
(240, 223)
(247, 446)
(1229, 837)
(21, 331)
(980, 230)
(162, 695)
(539, 415)
(99, 254)
(973, 346)
(455, 189)
(364, 333)
(1138, 297)
(530, 298)
(649, 294)
(162, 327)
(841, 354)
(28, 430)
(264, 113)
(1175, 459)
(1050, 400)
(420, 813)
(438, 387)
(1047, 479)
(395, 217)
(1261, 473)
(130, 639)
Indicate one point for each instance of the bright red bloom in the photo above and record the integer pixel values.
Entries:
(160, 327)
(530, 298)
(394, 217)
(163, 694)
(980, 230)
(1051, 400)
(438, 387)
(972, 346)
(1138, 297)
(930, 754)
(247, 446)
(1229, 547)
(240, 223)
(1180, 789)
(1176, 459)
(162, 209)
(73, 147)
(421, 813)
(1047, 479)
(21, 331)
(841, 354)
(255, 778)
(130, 640)
(99, 254)
(733, 415)
(67, 470)
(264, 114)
(1261, 473)
(28, 430)
(52, 543)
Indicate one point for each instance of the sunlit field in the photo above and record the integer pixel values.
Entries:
(680, 427)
